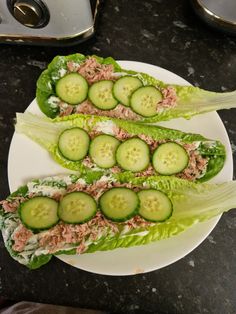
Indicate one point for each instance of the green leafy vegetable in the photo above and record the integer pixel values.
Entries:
(192, 203)
(46, 132)
(190, 100)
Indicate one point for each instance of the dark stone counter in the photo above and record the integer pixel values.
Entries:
(167, 34)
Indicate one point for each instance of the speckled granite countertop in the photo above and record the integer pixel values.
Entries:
(167, 34)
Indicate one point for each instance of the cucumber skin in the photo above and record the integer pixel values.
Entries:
(89, 152)
(173, 173)
(145, 117)
(135, 137)
(134, 213)
(60, 152)
(156, 221)
(85, 220)
(70, 103)
(131, 215)
(111, 93)
(79, 223)
(128, 106)
(35, 230)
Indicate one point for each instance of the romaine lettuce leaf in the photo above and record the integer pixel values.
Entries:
(190, 100)
(46, 132)
(192, 203)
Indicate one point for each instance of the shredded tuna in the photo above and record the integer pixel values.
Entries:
(98, 188)
(11, 206)
(121, 134)
(138, 222)
(57, 237)
(87, 162)
(169, 98)
(72, 66)
(150, 141)
(20, 238)
(95, 189)
(120, 111)
(81, 248)
(197, 164)
(123, 112)
(93, 71)
(65, 109)
(63, 234)
(57, 196)
(93, 133)
(116, 169)
(150, 171)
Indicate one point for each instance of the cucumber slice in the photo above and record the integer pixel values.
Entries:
(39, 213)
(154, 205)
(170, 158)
(103, 150)
(133, 155)
(77, 208)
(72, 88)
(119, 204)
(73, 144)
(124, 87)
(144, 101)
(100, 94)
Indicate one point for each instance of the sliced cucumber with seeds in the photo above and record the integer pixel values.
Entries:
(100, 94)
(73, 144)
(77, 208)
(133, 155)
(124, 87)
(39, 213)
(144, 101)
(119, 204)
(170, 158)
(72, 88)
(103, 150)
(154, 205)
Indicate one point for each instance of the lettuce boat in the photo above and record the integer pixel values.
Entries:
(192, 203)
(204, 157)
(57, 95)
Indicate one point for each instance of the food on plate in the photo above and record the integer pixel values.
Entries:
(99, 86)
(105, 145)
(75, 215)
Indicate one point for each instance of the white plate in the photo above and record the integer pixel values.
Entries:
(28, 160)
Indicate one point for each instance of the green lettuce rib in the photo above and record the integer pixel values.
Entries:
(46, 132)
(192, 203)
(190, 100)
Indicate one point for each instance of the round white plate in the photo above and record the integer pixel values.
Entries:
(27, 160)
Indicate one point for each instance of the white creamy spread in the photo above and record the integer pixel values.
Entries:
(62, 72)
(106, 127)
(44, 189)
(53, 101)
(81, 181)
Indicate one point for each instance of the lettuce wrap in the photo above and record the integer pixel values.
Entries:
(192, 203)
(177, 101)
(206, 156)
